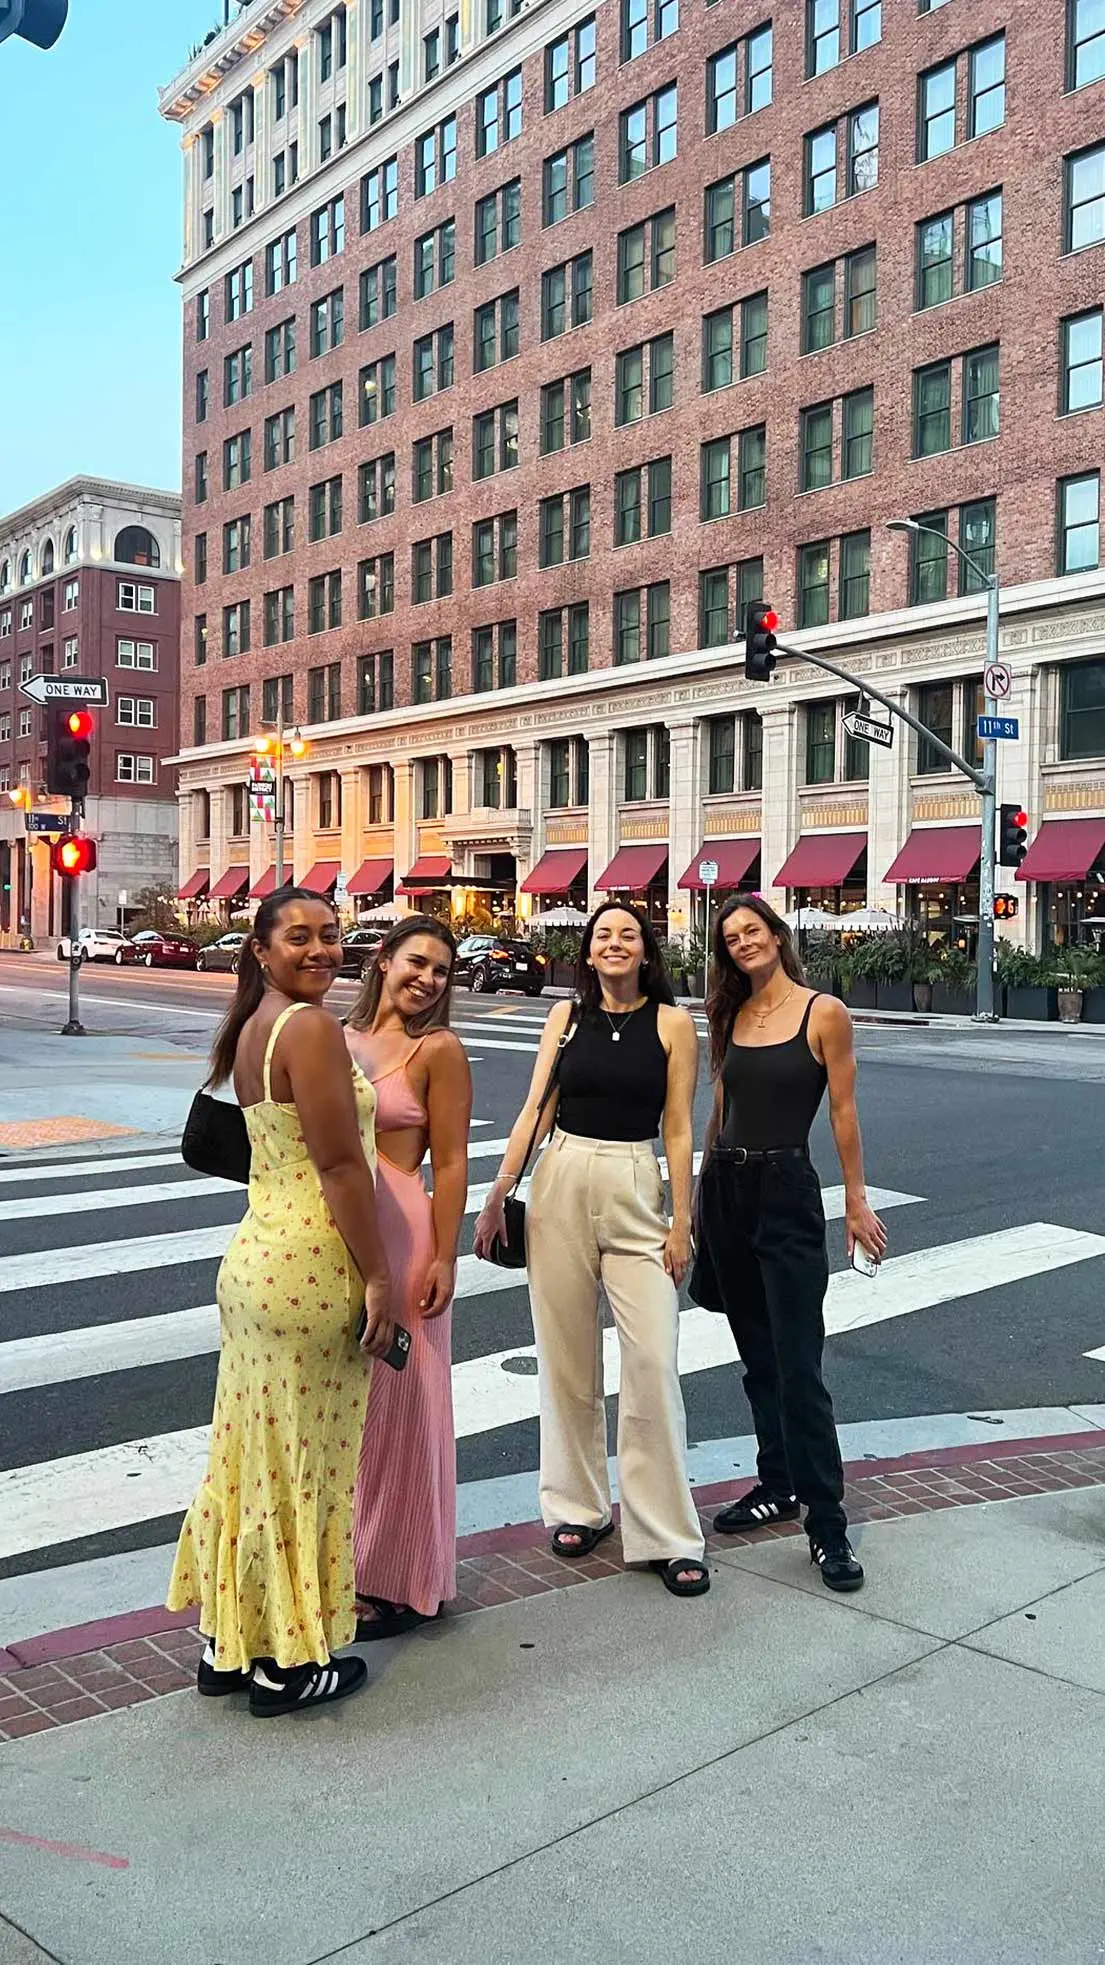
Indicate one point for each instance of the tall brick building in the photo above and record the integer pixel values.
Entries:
(524, 343)
(90, 586)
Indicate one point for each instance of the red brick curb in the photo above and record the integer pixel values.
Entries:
(96, 1668)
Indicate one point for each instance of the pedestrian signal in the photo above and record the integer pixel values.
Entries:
(73, 853)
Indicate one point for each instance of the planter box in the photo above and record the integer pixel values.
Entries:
(561, 975)
(952, 1002)
(894, 995)
(922, 997)
(1036, 1005)
(1070, 1005)
(861, 995)
(1093, 1006)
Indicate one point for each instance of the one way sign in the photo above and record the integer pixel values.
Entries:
(67, 689)
(867, 730)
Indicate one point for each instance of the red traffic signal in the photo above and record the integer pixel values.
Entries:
(79, 724)
(73, 853)
(69, 730)
(760, 623)
(1006, 907)
(1012, 835)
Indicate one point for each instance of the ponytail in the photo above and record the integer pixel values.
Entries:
(251, 982)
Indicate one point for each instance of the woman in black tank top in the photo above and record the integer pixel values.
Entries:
(775, 1046)
(596, 1220)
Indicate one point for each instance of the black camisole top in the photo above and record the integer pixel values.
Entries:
(772, 1091)
(614, 1090)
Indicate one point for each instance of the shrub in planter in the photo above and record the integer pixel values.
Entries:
(953, 990)
(1093, 1005)
(1075, 971)
(1024, 983)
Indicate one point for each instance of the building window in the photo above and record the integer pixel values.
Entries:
(1084, 202)
(647, 134)
(328, 231)
(324, 602)
(978, 538)
(433, 363)
(570, 65)
(984, 242)
(935, 265)
(644, 379)
(734, 342)
(499, 114)
(642, 623)
(1082, 710)
(981, 415)
(279, 616)
(131, 770)
(134, 599)
(199, 640)
(837, 28)
(859, 292)
(819, 308)
(276, 698)
(376, 488)
(737, 210)
(70, 596)
(376, 587)
(237, 461)
(987, 87)
(432, 568)
(928, 570)
(435, 256)
(327, 323)
(238, 291)
(498, 221)
(855, 576)
(813, 585)
(329, 801)
(324, 509)
(280, 351)
(858, 434)
(566, 296)
(1080, 341)
(568, 180)
(646, 256)
(932, 409)
(235, 721)
(281, 263)
(279, 439)
(551, 627)
(495, 656)
(495, 549)
(496, 330)
(816, 429)
(738, 80)
(432, 670)
(379, 290)
(324, 694)
(935, 708)
(376, 390)
(133, 655)
(203, 314)
(639, 31)
(936, 123)
(203, 395)
(379, 195)
(1085, 43)
(435, 158)
(326, 416)
(722, 743)
(642, 502)
(820, 743)
(237, 544)
(564, 527)
(1079, 523)
(236, 628)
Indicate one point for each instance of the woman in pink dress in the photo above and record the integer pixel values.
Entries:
(404, 1523)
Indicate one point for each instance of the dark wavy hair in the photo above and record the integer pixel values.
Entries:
(436, 1017)
(655, 981)
(729, 987)
(251, 980)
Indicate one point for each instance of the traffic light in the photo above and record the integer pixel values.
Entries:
(760, 623)
(1006, 907)
(39, 21)
(73, 853)
(68, 749)
(1012, 835)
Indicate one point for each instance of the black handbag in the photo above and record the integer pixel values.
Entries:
(511, 1253)
(215, 1139)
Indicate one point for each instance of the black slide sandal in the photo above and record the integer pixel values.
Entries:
(391, 1620)
(668, 1572)
(589, 1538)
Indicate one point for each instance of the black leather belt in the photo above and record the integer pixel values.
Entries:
(743, 1156)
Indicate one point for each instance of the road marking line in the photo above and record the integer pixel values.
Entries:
(97, 1201)
(73, 1169)
(1099, 1354)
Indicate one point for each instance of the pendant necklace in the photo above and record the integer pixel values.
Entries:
(615, 1032)
(762, 1015)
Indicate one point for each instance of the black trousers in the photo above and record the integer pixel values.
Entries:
(762, 1261)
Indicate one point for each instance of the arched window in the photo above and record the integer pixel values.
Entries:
(135, 546)
(48, 556)
(5, 576)
(25, 569)
(69, 550)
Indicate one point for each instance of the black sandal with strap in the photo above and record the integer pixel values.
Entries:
(671, 1572)
(391, 1620)
(589, 1538)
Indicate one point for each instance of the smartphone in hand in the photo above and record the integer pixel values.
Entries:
(400, 1344)
(863, 1262)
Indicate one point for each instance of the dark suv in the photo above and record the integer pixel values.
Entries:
(491, 962)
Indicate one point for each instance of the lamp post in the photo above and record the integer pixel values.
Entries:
(274, 745)
(985, 1011)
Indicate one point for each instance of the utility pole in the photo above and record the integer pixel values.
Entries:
(272, 743)
(74, 1027)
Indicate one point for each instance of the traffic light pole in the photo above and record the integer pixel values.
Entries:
(982, 780)
(278, 831)
(74, 1028)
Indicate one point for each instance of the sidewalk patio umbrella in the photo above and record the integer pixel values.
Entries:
(815, 919)
(560, 917)
(870, 921)
(386, 912)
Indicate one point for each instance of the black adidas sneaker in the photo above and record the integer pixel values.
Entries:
(274, 1691)
(759, 1508)
(840, 1567)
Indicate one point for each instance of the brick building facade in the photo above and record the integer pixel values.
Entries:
(519, 351)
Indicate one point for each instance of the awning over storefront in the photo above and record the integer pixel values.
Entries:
(430, 871)
(1063, 849)
(370, 876)
(632, 868)
(933, 853)
(821, 859)
(556, 871)
(261, 889)
(733, 858)
(321, 877)
(233, 882)
(194, 886)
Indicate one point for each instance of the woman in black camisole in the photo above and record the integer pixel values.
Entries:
(775, 1046)
(596, 1220)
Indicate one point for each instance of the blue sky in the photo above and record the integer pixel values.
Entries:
(90, 209)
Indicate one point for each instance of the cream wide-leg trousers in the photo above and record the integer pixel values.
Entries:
(595, 1216)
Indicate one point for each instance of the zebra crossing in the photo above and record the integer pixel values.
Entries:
(109, 1335)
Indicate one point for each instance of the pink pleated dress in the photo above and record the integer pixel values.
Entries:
(405, 1510)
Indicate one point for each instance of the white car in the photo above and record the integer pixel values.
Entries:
(100, 945)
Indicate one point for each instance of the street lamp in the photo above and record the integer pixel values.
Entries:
(984, 989)
(272, 743)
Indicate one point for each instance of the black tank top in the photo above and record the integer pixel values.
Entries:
(614, 1090)
(772, 1091)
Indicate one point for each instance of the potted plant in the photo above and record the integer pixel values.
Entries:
(1026, 983)
(901, 950)
(1076, 971)
(864, 963)
(696, 956)
(1093, 995)
(926, 974)
(953, 994)
(821, 963)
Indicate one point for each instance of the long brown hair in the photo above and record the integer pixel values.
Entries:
(251, 982)
(654, 981)
(729, 986)
(436, 1017)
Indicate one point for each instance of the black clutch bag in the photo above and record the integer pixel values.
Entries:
(215, 1139)
(511, 1253)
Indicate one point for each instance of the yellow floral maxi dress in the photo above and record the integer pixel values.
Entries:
(266, 1549)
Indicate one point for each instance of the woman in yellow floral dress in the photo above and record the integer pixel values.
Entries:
(266, 1550)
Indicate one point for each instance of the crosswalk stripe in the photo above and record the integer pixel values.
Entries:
(72, 1170)
(94, 1201)
(52, 1359)
(139, 1480)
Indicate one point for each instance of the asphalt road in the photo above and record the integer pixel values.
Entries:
(989, 1144)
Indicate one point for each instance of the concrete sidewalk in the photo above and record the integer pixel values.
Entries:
(770, 1774)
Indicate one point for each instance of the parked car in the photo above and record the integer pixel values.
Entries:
(100, 945)
(357, 951)
(491, 962)
(222, 954)
(160, 951)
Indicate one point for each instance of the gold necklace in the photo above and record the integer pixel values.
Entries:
(763, 1015)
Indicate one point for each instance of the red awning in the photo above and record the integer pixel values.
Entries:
(430, 870)
(370, 876)
(233, 882)
(631, 869)
(821, 859)
(556, 871)
(321, 877)
(194, 886)
(733, 858)
(262, 888)
(934, 853)
(1063, 849)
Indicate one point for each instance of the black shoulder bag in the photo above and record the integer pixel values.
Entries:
(215, 1139)
(511, 1253)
